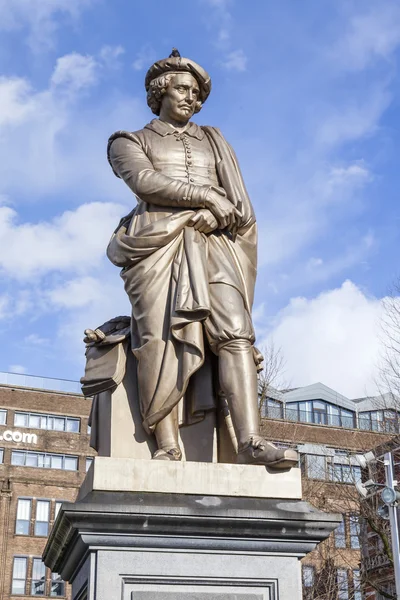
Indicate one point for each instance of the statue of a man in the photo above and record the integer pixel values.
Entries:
(188, 258)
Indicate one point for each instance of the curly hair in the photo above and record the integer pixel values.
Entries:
(157, 89)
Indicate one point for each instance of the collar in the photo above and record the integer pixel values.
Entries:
(164, 129)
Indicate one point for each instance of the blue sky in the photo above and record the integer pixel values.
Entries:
(308, 94)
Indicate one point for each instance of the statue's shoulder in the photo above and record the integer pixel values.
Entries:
(134, 136)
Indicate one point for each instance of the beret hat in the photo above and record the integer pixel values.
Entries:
(176, 63)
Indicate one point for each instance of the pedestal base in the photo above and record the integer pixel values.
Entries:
(142, 545)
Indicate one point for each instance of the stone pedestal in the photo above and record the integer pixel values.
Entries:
(145, 530)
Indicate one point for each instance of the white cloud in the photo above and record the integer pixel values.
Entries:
(144, 58)
(355, 119)
(86, 302)
(370, 35)
(60, 142)
(75, 72)
(74, 241)
(332, 338)
(34, 339)
(219, 18)
(235, 61)
(110, 55)
(42, 17)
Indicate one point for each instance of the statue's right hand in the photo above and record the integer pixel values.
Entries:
(222, 209)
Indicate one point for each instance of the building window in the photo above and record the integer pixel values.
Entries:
(49, 422)
(38, 578)
(354, 525)
(19, 575)
(340, 535)
(23, 516)
(42, 517)
(357, 585)
(345, 473)
(308, 576)
(3, 416)
(57, 508)
(57, 585)
(316, 466)
(1, 455)
(379, 420)
(44, 460)
(320, 413)
(343, 584)
(89, 461)
(272, 408)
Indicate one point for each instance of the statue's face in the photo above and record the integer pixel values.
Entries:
(179, 101)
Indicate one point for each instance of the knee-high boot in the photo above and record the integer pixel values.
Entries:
(238, 381)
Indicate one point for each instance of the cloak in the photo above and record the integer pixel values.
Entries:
(167, 273)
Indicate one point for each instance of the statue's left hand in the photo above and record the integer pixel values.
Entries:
(203, 220)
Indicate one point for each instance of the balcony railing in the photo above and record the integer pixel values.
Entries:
(40, 383)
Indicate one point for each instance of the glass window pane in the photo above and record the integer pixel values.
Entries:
(43, 422)
(70, 463)
(3, 417)
(23, 516)
(17, 458)
(31, 459)
(88, 463)
(19, 576)
(56, 461)
(1, 455)
(73, 425)
(42, 517)
(357, 584)
(316, 466)
(41, 528)
(42, 510)
(20, 419)
(340, 535)
(343, 586)
(308, 576)
(58, 424)
(57, 585)
(354, 525)
(38, 577)
(34, 421)
(57, 509)
(356, 474)
(319, 405)
(364, 421)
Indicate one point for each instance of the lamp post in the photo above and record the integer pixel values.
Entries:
(391, 501)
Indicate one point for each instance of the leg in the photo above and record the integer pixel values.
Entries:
(166, 433)
(230, 334)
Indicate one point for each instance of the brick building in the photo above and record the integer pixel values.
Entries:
(44, 455)
(329, 431)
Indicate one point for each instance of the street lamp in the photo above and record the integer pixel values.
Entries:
(391, 498)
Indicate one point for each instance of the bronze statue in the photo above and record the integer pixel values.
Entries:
(188, 258)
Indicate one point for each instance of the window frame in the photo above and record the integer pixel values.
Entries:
(45, 460)
(311, 570)
(41, 501)
(28, 521)
(342, 580)
(13, 578)
(340, 534)
(47, 421)
(3, 411)
(33, 580)
(58, 581)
